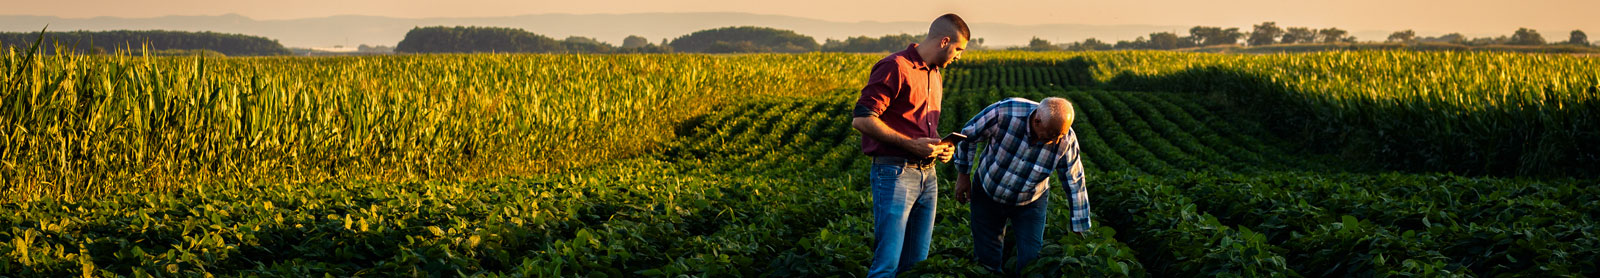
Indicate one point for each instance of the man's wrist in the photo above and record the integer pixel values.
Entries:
(906, 143)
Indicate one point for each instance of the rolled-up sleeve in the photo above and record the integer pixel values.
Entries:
(882, 87)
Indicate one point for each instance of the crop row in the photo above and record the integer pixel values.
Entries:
(1413, 111)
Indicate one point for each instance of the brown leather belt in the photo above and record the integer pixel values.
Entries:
(895, 160)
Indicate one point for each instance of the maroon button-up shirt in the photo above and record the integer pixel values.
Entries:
(904, 92)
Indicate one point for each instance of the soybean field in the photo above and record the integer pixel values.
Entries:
(1331, 164)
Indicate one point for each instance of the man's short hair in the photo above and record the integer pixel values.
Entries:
(947, 24)
(1058, 107)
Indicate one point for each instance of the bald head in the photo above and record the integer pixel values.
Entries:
(1052, 119)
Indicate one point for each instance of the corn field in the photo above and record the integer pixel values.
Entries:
(78, 126)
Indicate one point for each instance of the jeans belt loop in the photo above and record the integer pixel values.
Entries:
(894, 160)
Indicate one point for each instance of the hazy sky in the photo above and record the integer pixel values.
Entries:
(1553, 17)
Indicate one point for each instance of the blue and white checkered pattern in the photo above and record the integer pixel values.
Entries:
(1016, 171)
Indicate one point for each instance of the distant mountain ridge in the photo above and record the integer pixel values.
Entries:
(352, 30)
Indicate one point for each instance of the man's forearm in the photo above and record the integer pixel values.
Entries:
(877, 130)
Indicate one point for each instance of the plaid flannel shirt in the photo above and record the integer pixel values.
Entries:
(1013, 169)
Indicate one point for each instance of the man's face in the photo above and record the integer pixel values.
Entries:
(1047, 131)
(951, 48)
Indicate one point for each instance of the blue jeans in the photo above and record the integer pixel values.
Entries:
(989, 230)
(903, 200)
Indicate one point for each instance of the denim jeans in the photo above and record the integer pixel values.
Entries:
(903, 201)
(989, 230)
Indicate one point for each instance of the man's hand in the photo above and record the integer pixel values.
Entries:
(949, 152)
(925, 147)
(963, 188)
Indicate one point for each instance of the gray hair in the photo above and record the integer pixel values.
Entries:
(1052, 109)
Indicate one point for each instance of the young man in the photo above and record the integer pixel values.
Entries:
(898, 117)
(1026, 141)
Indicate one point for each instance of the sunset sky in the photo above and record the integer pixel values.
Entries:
(1473, 16)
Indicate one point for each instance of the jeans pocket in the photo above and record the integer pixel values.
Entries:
(884, 177)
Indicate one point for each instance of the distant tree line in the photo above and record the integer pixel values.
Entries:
(860, 44)
(1523, 36)
(741, 39)
(1202, 36)
(471, 39)
(762, 39)
(747, 39)
(159, 42)
(1268, 33)
(744, 39)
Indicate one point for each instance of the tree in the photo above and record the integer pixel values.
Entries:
(634, 41)
(110, 41)
(745, 39)
(1299, 35)
(1038, 44)
(363, 48)
(1215, 35)
(1331, 35)
(1163, 40)
(1403, 36)
(440, 39)
(1090, 44)
(1525, 36)
(1137, 43)
(1188, 41)
(1489, 40)
(587, 40)
(1578, 38)
(1455, 38)
(1265, 34)
(1228, 36)
(1201, 33)
(586, 45)
(886, 43)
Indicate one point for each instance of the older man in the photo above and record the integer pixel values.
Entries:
(1025, 142)
(898, 116)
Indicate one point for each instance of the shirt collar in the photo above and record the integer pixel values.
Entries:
(1027, 129)
(1027, 125)
(915, 58)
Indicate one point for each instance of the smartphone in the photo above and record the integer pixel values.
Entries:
(953, 138)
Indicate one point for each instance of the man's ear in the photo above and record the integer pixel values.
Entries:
(944, 42)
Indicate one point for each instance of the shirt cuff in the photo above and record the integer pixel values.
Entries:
(1081, 224)
(863, 111)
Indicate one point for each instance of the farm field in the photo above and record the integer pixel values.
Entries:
(1199, 165)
